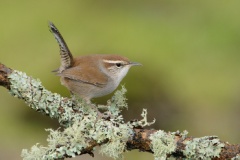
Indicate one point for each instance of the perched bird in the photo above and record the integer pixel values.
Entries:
(93, 75)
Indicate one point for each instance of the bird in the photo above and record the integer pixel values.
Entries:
(90, 76)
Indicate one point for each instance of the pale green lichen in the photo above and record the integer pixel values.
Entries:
(84, 126)
(113, 149)
(35, 153)
(183, 134)
(236, 157)
(117, 134)
(73, 139)
(162, 143)
(203, 148)
(144, 122)
(40, 99)
(116, 104)
(70, 142)
(119, 101)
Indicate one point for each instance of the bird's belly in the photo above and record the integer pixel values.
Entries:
(99, 92)
(86, 90)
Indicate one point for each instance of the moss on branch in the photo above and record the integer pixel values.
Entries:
(84, 127)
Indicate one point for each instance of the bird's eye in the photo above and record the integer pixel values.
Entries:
(118, 64)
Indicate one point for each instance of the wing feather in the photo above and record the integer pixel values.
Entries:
(87, 75)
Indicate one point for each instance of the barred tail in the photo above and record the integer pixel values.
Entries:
(66, 56)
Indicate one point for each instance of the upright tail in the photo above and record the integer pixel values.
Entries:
(66, 56)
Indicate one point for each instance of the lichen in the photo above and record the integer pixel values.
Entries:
(143, 122)
(117, 132)
(117, 103)
(82, 124)
(236, 157)
(118, 136)
(114, 149)
(35, 153)
(40, 99)
(203, 148)
(162, 143)
(183, 134)
(70, 142)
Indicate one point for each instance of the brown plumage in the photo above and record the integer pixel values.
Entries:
(92, 75)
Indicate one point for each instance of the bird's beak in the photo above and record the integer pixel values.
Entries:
(135, 64)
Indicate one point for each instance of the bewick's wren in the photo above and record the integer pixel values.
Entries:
(92, 75)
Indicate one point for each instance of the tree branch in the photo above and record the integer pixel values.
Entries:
(85, 127)
(4, 72)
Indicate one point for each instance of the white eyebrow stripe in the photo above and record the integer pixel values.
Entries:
(112, 61)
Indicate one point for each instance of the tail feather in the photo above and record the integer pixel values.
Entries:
(66, 56)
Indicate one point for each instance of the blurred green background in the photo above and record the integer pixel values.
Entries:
(190, 79)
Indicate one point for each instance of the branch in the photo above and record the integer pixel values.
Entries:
(84, 127)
